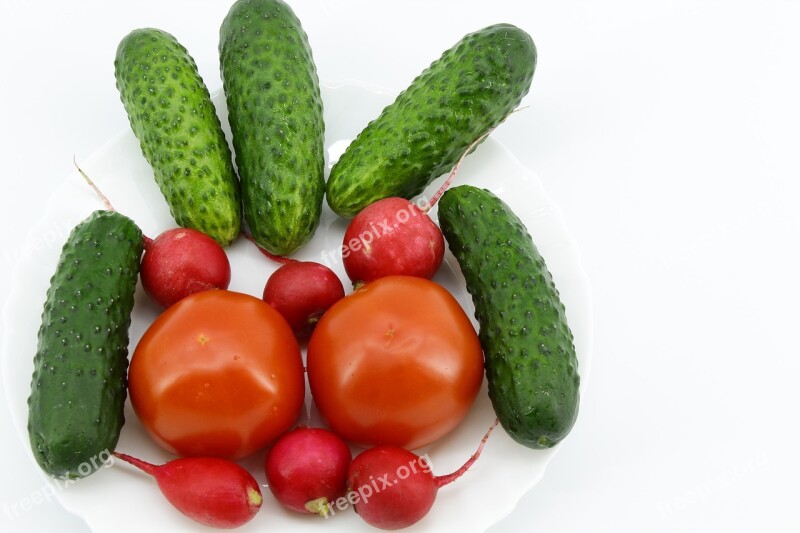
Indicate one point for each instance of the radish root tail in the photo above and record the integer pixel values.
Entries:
(277, 258)
(138, 463)
(468, 151)
(449, 478)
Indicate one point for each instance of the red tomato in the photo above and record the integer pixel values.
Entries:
(217, 374)
(395, 362)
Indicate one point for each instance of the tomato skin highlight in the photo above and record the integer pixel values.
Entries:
(217, 374)
(395, 362)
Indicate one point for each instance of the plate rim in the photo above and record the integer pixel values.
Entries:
(332, 84)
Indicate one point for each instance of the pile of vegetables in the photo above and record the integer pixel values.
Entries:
(393, 365)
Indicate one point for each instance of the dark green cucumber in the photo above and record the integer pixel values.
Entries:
(78, 390)
(531, 365)
(171, 113)
(471, 88)
(275, 112)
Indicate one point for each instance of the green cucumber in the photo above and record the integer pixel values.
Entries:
(470, 89)
(78, 389)
(171, 113)
(531, 364)
(275, 113)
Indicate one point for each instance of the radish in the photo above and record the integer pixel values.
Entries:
(394, 488)
(395, 236)
(302, 291)
(392, 236)
(307, 468)
(178, 262)
(214, 492)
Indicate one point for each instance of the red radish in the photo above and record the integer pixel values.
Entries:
(392, 236)
(214, 492)
(302, 291)
(180, 262)
(307, 468)
(395, 488)
(395, 236)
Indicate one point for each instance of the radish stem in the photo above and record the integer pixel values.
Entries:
(318, 506)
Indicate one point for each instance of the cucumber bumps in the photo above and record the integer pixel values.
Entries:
(275, 112)
(171, 113)
(531, 365)
(79, 383)
(471, 88)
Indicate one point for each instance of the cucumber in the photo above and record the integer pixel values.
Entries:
(471, 88)
(78, 390)
(531, 365)
(171, 113)
(275, 113)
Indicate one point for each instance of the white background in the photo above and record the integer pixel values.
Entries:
(668, 133)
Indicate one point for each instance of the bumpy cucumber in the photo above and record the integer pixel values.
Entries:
(78, 388)
(531, 365)
(275, 112)
(471, 88)
(171, 113)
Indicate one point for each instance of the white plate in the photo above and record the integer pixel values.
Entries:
(119, 499)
